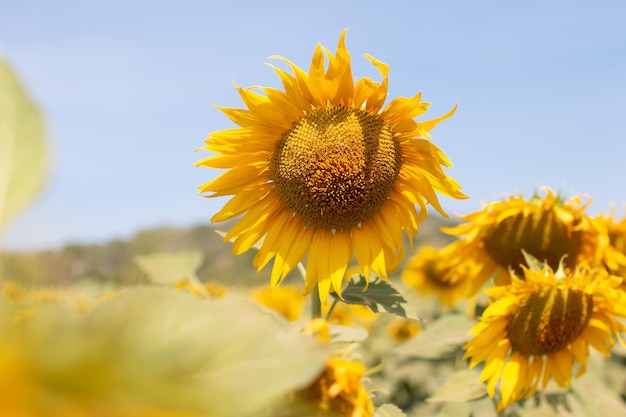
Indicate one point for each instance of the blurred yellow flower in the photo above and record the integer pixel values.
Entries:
(339, 391)
(323, 169)
(319, 329)
(540, 327)
(345, 314)
(546, 227)
(615, 261)
(211, 289)
(285, 300)
(437, 272)
(401, 329)
(28, 299)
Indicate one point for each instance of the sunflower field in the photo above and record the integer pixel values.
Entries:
(515, 309)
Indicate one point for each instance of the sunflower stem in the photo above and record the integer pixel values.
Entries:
(330, 310)
(316, 303)
(499, 413)
(302, 270)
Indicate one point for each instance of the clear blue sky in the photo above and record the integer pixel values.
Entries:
(127, 88)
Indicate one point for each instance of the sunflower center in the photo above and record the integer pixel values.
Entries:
(437, 276)
(548, 320)
(336, 167)
(541, 234)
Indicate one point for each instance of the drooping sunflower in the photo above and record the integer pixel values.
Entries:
(539, 328)
(547, 227)
(323, 169)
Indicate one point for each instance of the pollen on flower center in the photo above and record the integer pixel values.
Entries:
(548, 320)
(336, 167)
(542, 234)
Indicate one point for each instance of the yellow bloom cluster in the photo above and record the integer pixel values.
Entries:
(557, 275)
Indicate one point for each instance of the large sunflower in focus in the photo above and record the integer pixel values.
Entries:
(547, 227)
(323, 169)
(539, 328)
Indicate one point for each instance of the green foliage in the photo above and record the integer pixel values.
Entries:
(378, 296)
(441, 338)
(461, 386)
(23, 147)
(389, 410)
(161, 349)
(455, 410)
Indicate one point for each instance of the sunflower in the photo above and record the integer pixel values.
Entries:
(616, 232)
(547, 227)
(539, 328)
(434, 271)
(323, 169)
(339, 390)
(286, 300)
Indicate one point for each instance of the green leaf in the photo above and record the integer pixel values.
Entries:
(23, 147)
(540, 407)
(595, 398)
(379, 296)
(389, 410)
(461, 386)
(441, 338)
(168, 268)
(348, 334)
(455, 410)
(164, 350)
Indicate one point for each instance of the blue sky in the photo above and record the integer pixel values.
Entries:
(127, 89)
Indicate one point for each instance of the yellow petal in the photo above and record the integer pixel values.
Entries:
(339, 255)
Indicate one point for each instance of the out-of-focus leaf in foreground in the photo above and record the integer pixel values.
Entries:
(23, 147)
(455, 410)
(441, 338)
(377, 295)
(461, 386)
(389, 410)
(152, 351)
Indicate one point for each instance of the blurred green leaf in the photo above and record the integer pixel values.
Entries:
(168, 268)
(438, 339)
(389, 410)
(455, 410)
(597, 399)
(348, 334)
(462, 386)
(541, 408)
(23, 147)
(165, 350)
(378, 297)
